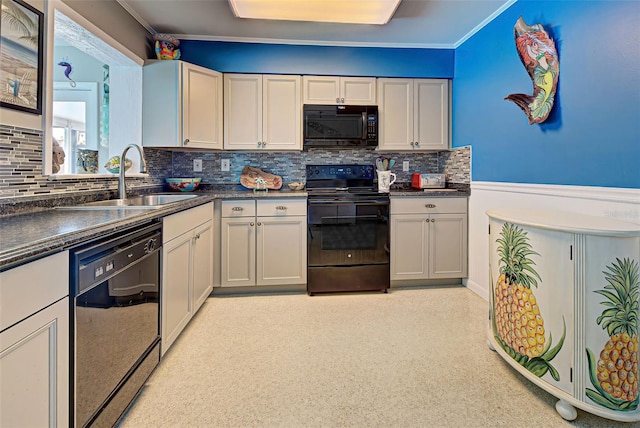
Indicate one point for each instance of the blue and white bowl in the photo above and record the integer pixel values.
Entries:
(183, 184)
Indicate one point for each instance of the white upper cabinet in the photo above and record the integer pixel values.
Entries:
(339, 90)
(262, 112)
(414, 114)
(182, 106)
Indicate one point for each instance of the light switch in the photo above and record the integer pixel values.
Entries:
(197, 165)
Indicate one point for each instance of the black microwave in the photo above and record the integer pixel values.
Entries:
(338, 126)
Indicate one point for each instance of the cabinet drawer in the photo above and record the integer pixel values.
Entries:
(29, 288)
(176, 224)
(282, 207)
(409, 205)
(239, 208)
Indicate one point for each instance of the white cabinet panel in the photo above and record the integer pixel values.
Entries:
(238, 252)
(281, 250)
(182, 105)
(187, 268)
(34, 368)
(177, 309)
(242, 111)
(409, 247)
(339, 90)
(428, 238)
(414, 114)
(269, 248)
(448, 246)
(262, 112)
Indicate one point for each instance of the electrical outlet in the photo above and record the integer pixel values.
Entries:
(405, 166)
(197, 165)
(225, 164)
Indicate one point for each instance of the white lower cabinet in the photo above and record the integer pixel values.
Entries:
(264, 242)
(187, 268)
(428, 238)
(564, 307)
(34, 344)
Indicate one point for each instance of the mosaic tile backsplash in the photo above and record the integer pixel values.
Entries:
(291, 165)
(21, 165)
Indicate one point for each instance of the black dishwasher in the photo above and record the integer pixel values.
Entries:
(115, 290)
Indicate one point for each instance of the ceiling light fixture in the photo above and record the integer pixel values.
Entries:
(337, 11)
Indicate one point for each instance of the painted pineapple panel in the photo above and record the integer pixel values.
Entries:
(611, 319)
(532, 299)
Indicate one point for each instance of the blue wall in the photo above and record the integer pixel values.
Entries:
(229, 57)
(592, 137)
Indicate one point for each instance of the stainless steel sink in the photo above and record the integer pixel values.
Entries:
(144, 202)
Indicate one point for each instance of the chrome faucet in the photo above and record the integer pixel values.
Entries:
(122, 189)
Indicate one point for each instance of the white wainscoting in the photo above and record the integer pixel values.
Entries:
(622, 204)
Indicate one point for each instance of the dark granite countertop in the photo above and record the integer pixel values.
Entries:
(28, 235)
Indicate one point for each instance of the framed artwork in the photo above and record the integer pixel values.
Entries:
(21, 62)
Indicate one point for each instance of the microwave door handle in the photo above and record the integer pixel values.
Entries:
(364, 125)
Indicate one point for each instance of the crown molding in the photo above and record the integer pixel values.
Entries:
(484, 23)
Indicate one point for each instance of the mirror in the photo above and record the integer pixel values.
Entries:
(94, 96)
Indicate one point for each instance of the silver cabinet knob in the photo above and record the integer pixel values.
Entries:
(281, 208)
(186, 141)
(417, 144)
(342, 100)
(337, 100)
(432, 220)
(430, 205)
(259, 224)
(237, 209)
(251, 224)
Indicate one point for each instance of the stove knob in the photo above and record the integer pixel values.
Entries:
(150, 246)
(317, 171)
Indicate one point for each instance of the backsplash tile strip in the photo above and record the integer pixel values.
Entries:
(21, 168)
(21, 176)
(291, 165)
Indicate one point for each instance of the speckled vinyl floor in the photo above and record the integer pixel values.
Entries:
(410, 358)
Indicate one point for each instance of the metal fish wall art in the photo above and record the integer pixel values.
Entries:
(539, 56)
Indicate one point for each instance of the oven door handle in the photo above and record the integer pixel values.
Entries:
(361, 202)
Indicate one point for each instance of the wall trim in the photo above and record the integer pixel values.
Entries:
(481, 25)
(476, 288)
(607, 194)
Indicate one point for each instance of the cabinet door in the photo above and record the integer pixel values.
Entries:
(321, 89)
(202, 263)
(358, 90)
(608, 284)
(238, 252)
(281, 250)
(177, 308)
(395, 109)
(431, 114)
(282, 121)
(34, 368)
(447, 246)
(409, 247)
(202, 107)
(532, 299)
(242, 111)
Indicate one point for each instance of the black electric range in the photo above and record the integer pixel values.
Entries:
(348, 221)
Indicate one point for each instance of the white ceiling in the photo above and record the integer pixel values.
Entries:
(416, 23)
